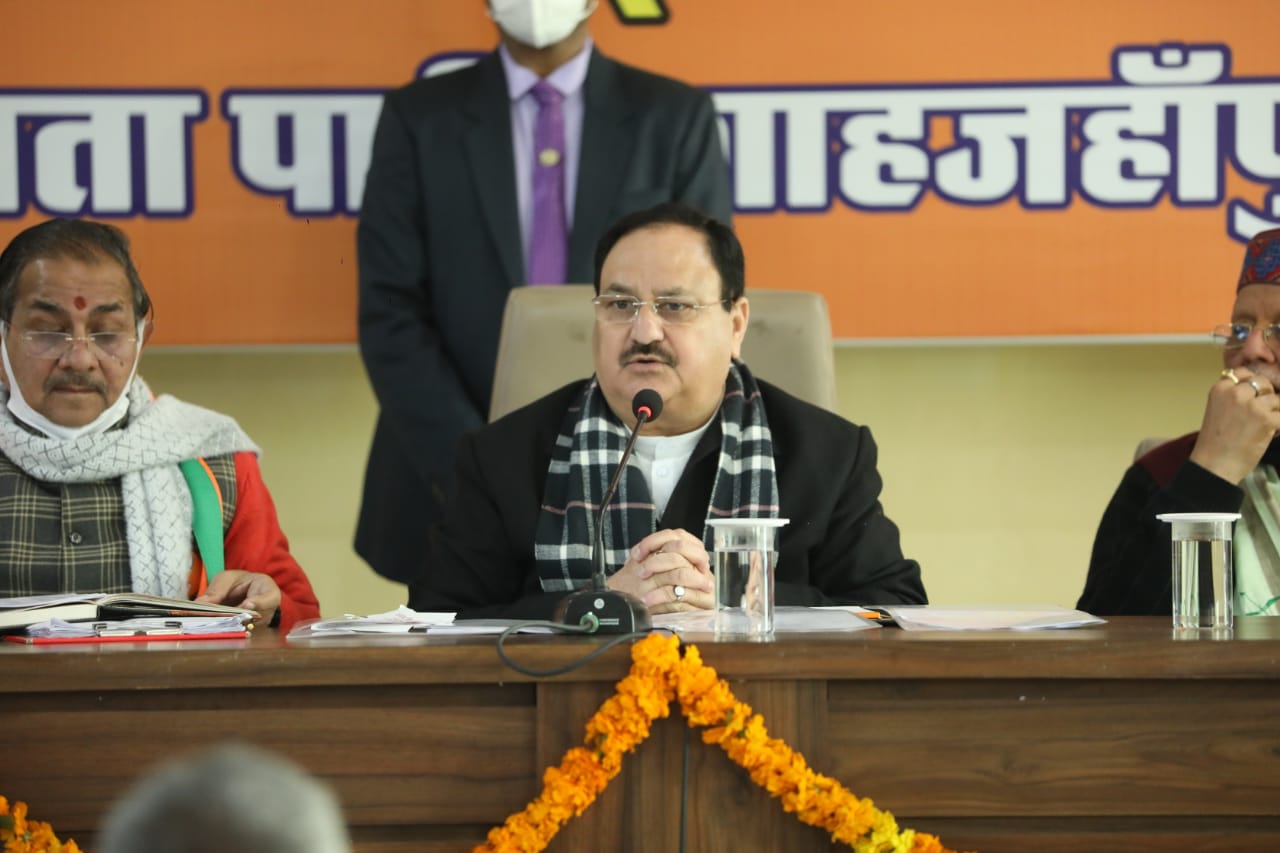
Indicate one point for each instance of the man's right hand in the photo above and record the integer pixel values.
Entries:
(668, 570)
(1239, 423)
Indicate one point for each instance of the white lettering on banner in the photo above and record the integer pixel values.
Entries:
(1246, 220)
(87, 152)
(1121, 164)
(983, 166)
(887, 163)
(1166, 124)
(761, 140)
(313, 147)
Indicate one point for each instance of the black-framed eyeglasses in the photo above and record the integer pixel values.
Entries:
(1234, 335)
(670, 310)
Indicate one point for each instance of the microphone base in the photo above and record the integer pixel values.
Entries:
(614, 612)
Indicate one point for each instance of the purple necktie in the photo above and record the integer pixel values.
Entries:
(547, 244)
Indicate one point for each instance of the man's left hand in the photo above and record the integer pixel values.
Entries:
(250, 590)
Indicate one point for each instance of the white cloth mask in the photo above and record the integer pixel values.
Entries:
(539, 23)
(22, 410)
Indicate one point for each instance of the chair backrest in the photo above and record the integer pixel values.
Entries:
(546, 342)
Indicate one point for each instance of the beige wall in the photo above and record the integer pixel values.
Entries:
(997, 460)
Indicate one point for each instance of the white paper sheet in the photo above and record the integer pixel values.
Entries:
(402, 620)
(786, 620)
(990, 617)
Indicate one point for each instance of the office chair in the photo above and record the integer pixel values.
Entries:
(545, 342)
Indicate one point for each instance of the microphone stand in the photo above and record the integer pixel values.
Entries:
(611, 611)
(597, 548)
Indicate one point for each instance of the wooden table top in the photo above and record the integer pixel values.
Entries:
(1124, 648)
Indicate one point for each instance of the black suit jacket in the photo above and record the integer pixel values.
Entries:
(839, 547)
(439, 249)
(1131, 567)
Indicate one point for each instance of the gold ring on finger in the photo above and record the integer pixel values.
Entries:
(1230, 373)
(1257, 389)
(679, 592)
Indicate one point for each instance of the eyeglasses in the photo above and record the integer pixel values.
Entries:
(671, 311)
(116, 345)
(1234, 335)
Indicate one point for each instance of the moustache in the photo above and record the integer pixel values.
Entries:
(647, 351)
(76, 380)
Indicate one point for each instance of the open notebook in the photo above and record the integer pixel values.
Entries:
(17, 613)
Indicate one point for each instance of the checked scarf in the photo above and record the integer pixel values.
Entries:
(144, 454)
(588, 450)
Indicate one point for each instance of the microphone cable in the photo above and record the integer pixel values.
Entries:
(567, 628)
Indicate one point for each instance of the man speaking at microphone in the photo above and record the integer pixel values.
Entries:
(670, 316)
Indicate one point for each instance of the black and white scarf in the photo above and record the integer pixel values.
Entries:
(588, 450)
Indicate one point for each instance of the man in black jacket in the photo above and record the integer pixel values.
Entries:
(671, 317)
(450, 224)
(1228, 466)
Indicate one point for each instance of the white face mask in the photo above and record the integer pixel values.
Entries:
(538, 23)
(22, 410)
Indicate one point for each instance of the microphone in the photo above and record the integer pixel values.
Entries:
(612, 611)
(646, 405)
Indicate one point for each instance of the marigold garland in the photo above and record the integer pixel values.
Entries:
(659, 676)
(21, 835)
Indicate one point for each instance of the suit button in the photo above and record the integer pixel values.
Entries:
(75, 538)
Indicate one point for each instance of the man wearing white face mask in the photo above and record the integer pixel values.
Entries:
(100, 484)
(496, 176)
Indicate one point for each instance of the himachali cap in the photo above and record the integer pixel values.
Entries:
(1262, 260)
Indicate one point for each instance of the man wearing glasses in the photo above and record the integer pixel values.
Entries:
(1228, 466)
(93, 492)
(670, 317)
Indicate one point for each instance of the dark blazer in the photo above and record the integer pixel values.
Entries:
(1131, 566)
(839, 547)
(439, 249)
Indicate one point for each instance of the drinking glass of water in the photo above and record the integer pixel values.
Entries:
(745, 557)
(1203, 578)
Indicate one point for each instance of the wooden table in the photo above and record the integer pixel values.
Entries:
(1106, 738)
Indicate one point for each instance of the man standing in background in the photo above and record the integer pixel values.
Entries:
(496, 176)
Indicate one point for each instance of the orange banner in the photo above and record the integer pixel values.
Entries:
(994, 168)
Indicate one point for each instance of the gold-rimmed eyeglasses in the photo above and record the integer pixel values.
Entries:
(1235, 335)
(669, 309)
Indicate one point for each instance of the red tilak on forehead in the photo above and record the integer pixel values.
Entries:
(80, 303)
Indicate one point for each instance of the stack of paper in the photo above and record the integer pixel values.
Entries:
(402, 620)
(990, 617)
(184, 626)
(786, 620)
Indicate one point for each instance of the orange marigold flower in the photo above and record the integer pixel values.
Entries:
(21, 835)
(658, 676)
(925, 843)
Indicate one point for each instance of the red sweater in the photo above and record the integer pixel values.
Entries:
(255, 543)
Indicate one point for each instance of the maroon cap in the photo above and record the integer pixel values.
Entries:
(1262, 260)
